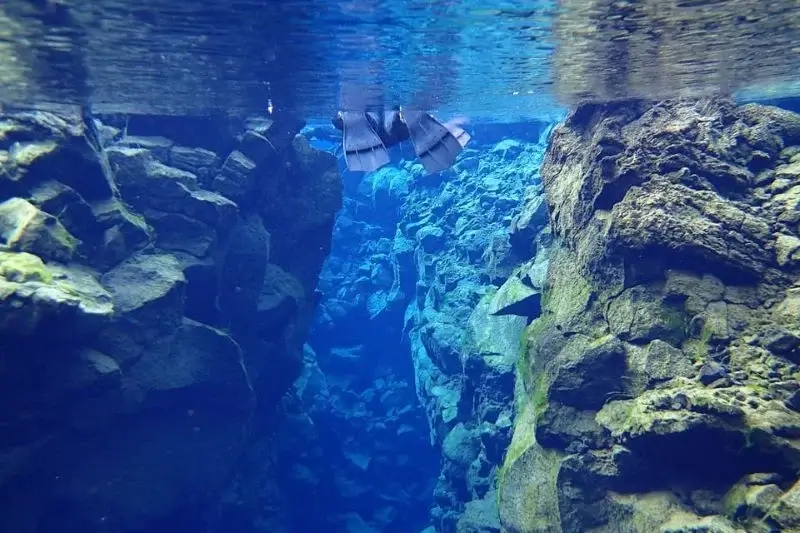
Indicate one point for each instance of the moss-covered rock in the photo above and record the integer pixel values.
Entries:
(35, 297)
(46, 146)
(495, 334)
(709, 524)
(115, 366)
(516, 298)
(526, 226)
(461, 445)
(588, 371)
(664, 361)
(785, 512)
(527, 495)
(693, 226)
(480, 516)
(24, 228)
(152, 185)
(751, 498)
(638, 315)
(22, 267)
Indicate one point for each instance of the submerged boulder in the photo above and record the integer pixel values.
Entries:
(24, 228)
(49, 300)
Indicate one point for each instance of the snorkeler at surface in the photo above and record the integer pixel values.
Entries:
(366, 136)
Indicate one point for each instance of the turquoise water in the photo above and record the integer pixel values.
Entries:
(216, 327)
(496, 61)
(505, 61)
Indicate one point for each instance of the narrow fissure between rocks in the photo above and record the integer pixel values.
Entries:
(415, 352)
(253, 340)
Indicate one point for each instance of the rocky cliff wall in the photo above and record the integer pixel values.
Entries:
(454, 250)
(658, 390)
(410, 388)
(155, 297)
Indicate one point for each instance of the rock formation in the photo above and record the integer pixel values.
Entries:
(413, 264)
(464, 333)
(155, 297)
(634, 325)
(658, 390)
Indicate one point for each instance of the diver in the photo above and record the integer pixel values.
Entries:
(366, 136)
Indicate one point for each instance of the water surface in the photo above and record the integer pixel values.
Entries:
(494, 61)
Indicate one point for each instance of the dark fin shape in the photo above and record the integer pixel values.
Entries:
(363, 149)
(91, 133)
(435, 146)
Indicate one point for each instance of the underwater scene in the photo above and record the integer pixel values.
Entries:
(386, 266)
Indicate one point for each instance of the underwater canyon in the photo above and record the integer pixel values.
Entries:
(588, 326)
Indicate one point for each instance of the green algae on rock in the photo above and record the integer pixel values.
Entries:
(24, 228)
(21, 267)
(663, 368)
(464, 332)
(121, 371)
(33, 295)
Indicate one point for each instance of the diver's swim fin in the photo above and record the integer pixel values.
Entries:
(436, 146)
(363, 149)
(454, 127)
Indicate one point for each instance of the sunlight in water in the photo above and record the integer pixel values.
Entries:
(498, 61)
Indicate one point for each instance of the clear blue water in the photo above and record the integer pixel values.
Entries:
(356, 449)
(499, 61)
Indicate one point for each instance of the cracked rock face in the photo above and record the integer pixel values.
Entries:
(131, 363)
(415, 260)
(467, 306)
(660, 383)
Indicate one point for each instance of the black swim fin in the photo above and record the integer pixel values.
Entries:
(436, 145)
(363, 149)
